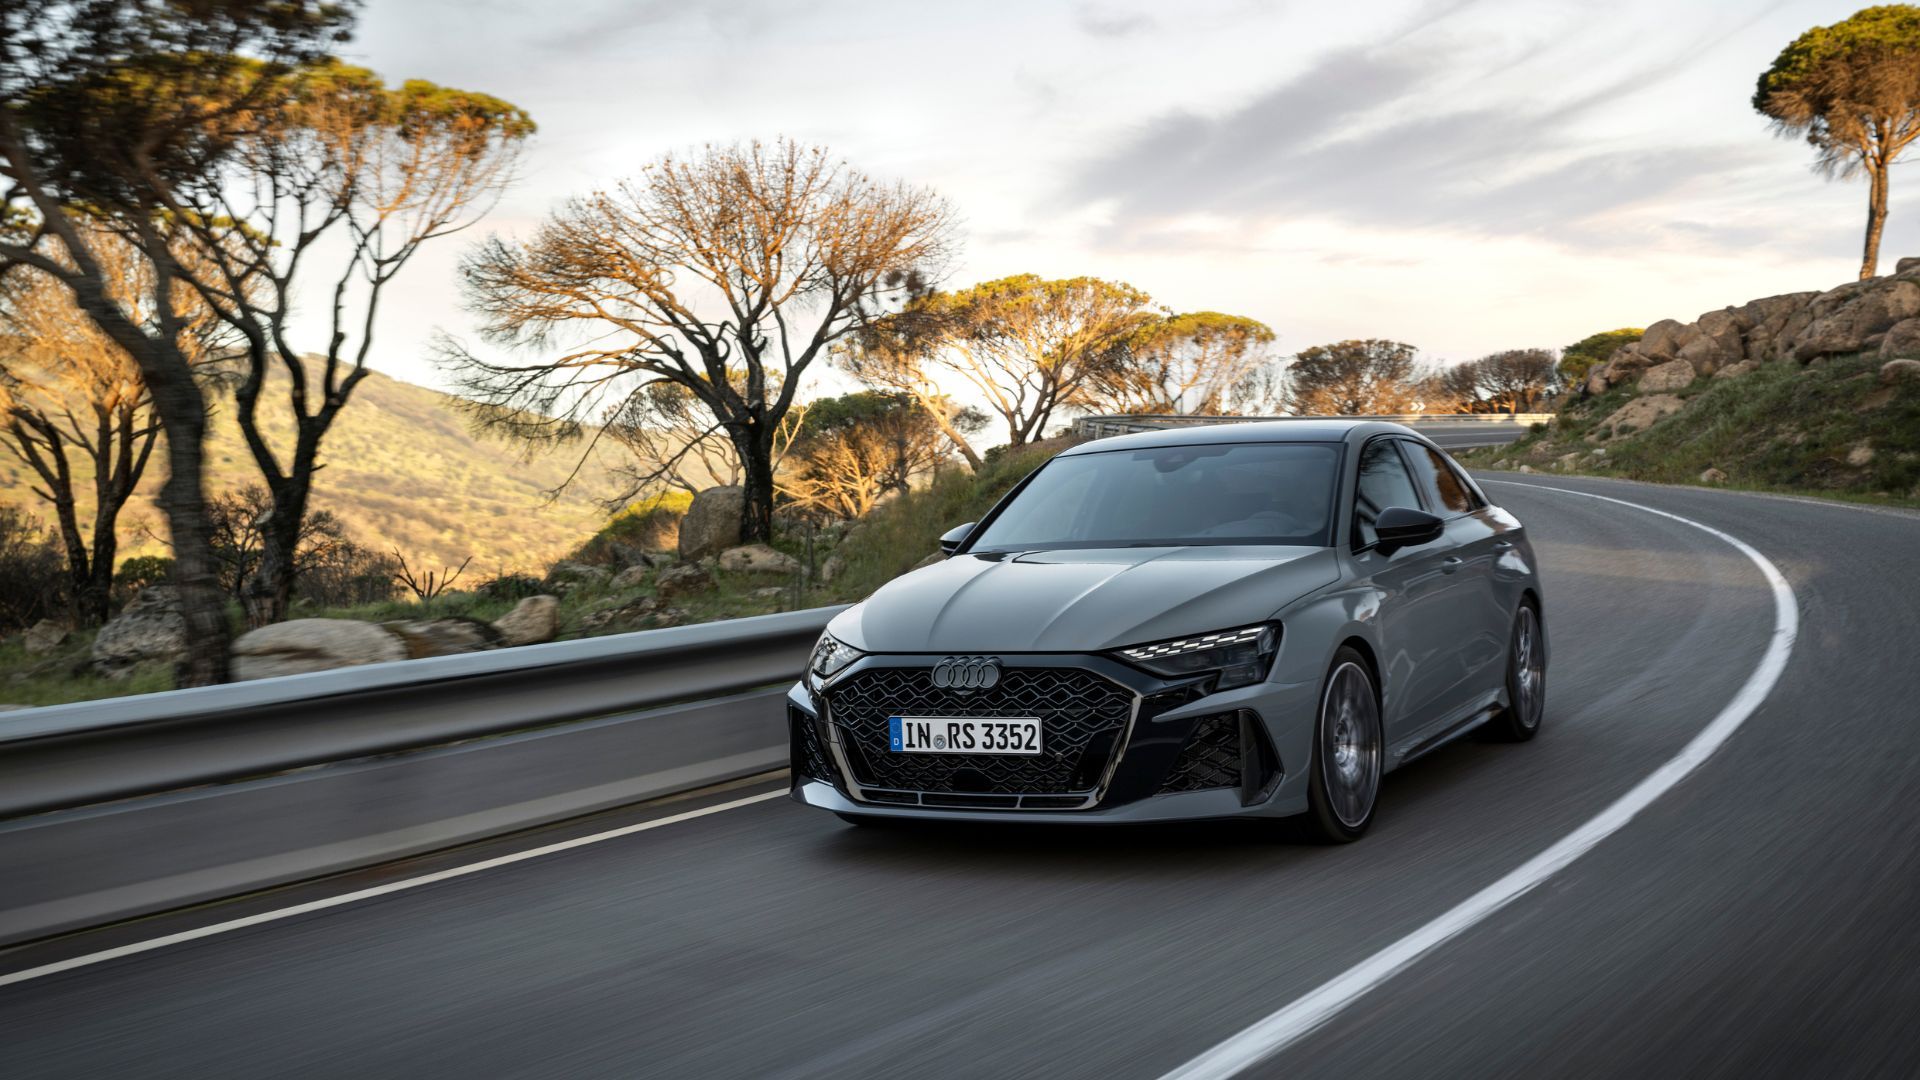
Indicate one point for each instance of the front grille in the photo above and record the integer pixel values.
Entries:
(1211, 758)
(1082, 718)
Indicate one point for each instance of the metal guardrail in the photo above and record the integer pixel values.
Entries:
(74, 755)
(1099, 427)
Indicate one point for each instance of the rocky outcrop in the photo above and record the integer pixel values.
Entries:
(632, 577)
(758, 559)
(532, 621)
(1878, 314)
(565, 576)
(302, 645)
(443, 637)
(1637, 415)
(149, 629)
(712, 524)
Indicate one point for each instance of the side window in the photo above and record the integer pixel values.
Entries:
(1383, 482)
(1443, 487)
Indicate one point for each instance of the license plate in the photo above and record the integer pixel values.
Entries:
(963, 735)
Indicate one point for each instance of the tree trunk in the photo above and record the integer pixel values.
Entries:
(183, 498)
(268, 592)
(756, 476)
(1876, 218)
(953, 435)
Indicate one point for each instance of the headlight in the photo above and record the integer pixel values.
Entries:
(831, 655)
(1241, 656)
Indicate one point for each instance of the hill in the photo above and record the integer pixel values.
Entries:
(401, 470)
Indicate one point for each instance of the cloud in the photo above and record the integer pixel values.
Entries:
(1104, 22)
(1396, 136)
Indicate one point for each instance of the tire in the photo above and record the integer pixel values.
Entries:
(1526, 680)
(1349, 751)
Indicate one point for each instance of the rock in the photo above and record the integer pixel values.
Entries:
(671, 616)
(1860, 454)
(937, 556)
(566, 575)
(150, 627)
(632, 577)
(1902, 339)
(1526, 468)
(832, 568)
(44, 636)
(626, 615)
(443, 637)
(1713, 476)
(1846, 318)
(1662, 342)
(532, 621)
(303, 645)
(758, 559)
(683, 579)
(1910, 262)
(1734, 371)
(1636, 415)
(712, 524)
(1677, 375)
(771, 592)
(1894, 371)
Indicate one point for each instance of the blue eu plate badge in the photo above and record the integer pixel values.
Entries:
(893, 734)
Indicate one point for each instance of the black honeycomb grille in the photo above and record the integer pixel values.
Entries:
(1082, 717)
(1211, 758)
(815, 758)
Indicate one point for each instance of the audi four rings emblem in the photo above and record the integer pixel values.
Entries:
(966, 672)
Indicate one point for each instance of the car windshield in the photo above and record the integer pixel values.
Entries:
(1222, 493)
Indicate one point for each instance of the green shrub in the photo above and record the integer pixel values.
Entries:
(649, 525)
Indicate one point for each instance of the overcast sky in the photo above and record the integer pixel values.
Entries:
(1465, 176)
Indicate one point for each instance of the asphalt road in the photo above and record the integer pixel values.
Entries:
(1757, 920)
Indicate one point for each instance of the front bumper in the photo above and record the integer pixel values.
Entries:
(1123, 745)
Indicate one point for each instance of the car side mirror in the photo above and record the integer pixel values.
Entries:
(1404, 527)
(951, 540)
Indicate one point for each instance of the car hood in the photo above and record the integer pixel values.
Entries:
(1083, 600)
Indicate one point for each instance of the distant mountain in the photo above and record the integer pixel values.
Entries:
(403, 471)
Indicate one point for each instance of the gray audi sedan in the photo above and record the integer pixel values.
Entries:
(1238, 620)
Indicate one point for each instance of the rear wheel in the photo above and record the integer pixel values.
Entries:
(1526, 680)
(1347, 753)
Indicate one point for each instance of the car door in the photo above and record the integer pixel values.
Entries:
(1416, 634)
(1478, 623)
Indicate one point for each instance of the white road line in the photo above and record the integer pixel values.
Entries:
(1287, 1026)
(377, 890)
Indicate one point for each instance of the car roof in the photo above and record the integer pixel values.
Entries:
(1318, 429)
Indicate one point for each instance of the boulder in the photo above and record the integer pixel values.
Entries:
(712, 524)
(1666, 378)
(758, 559)
(565, 576)
(443, 637)
(632, 577)
(532, 621)
(1662, 340)
(1713, 476)
(832, 568)
(1894, 371)
(1846, 319)
(1636, 415)
(302, 645)
(771, 592)
(1526, 469)
(45, 636)
(1860, 454)
(1906, 263)
(683, 579)
(149, 628)
(1734, 371)
(623, 616)
(1903, 339)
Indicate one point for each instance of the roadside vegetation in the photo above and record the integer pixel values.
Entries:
(1831, 429)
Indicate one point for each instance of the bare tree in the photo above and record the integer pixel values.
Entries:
(727, 272)
(121, 107)
(673, 442)
(1852, 90)
(429, 585)
(338, 187)
(1354, 378)
(1203, 363)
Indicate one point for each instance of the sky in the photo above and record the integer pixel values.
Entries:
(1462, 175)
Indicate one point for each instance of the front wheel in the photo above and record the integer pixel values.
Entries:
(1526, 680)
(1347, 753)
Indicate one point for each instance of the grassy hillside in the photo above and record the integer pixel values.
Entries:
(1829, 429)
(401, 470)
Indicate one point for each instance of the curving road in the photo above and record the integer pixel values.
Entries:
(1760, 919)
